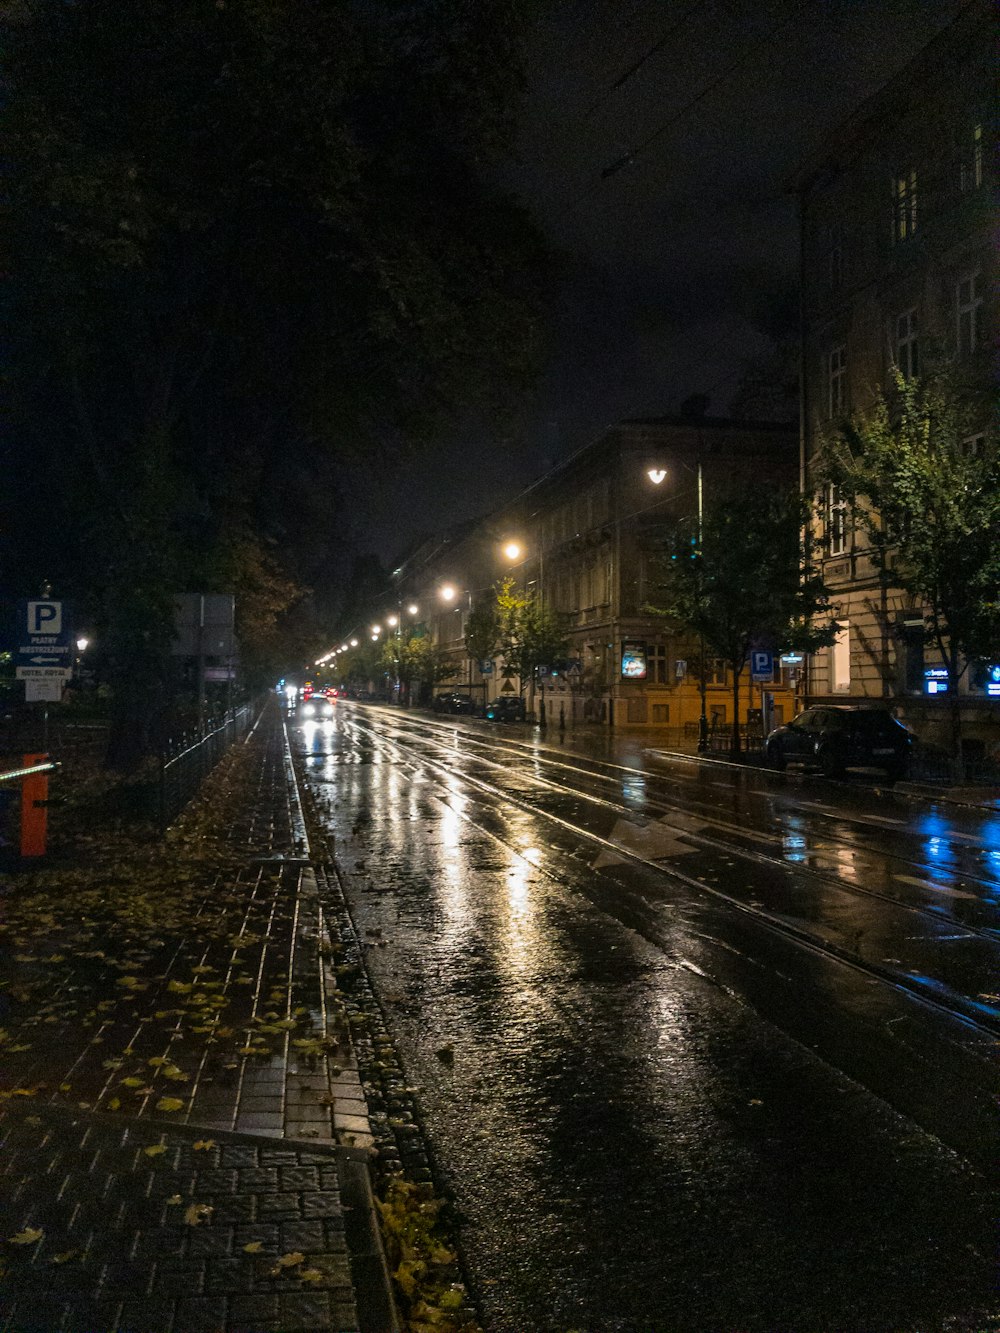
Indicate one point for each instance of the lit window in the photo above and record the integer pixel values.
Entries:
(836, 520)
(840, 660)
(907, 355)
(969, 302)
(904, 206)
(972, 160)
(837, 381)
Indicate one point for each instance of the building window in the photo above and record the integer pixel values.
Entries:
(840, 660)
(661, 713)
(637, 710)
(972, 160)
(656, 664)
(904, 206)
(835, 514)
(837, 381)
(911, 632)
(715, 671)
(969, 302)
(907, 355)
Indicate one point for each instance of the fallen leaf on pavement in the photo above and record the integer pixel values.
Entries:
(32, 1234)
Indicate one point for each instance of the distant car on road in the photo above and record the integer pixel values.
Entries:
(507, 708)
(837, 737)
(454, 702)
(315, 707)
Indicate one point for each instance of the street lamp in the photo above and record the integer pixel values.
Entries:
(656, 475)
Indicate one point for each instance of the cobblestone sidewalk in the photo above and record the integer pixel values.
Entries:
(252, 1215)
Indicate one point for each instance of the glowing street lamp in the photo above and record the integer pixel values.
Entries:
(512, 551)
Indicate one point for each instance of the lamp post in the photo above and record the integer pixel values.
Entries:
(449, 593)
(656, 476)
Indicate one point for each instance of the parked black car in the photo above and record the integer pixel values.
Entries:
(836, 738)
(454, 702)
(507, 708)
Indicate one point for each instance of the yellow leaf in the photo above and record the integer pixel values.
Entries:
(157, 1060)
(311, 1275)
(28, 1236)
(64, 1257)
(65, 1087)
(155, 1150)
(180, 987)
(198, 1213)
(24, 1092)
(114, 1104)
(132, 1082)
(175, 1198)
(291, 1260)
(170, 1104)
(203, 1145)
(254, 1247)
(177, 1075)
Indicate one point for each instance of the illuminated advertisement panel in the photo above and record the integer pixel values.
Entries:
(633, 661)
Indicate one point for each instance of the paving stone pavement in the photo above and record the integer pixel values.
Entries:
(145, 1223)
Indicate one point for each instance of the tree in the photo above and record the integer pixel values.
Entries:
(745, 581)
(530, 635)
(415, 660)
(244, 236)
(482, 630)
(925, 481)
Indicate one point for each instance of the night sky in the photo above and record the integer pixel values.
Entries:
(665, 197)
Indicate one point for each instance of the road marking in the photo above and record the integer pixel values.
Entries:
(936, 888)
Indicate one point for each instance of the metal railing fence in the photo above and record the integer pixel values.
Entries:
(185, 765)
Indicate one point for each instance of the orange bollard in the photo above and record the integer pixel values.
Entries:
(34, 812)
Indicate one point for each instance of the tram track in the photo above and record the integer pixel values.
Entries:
(653, 806)
(977, 1018)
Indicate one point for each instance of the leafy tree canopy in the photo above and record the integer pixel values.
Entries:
(743, 581)
(925, 480)
(244, 236)
(530, 634)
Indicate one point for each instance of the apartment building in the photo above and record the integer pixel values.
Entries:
(898, 245)
(583, 539)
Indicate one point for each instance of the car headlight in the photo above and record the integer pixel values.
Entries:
(308, 710)
(328, 710)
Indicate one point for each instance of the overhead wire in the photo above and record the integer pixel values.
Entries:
(638, 64)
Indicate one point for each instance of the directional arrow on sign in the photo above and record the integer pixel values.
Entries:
(45, 661)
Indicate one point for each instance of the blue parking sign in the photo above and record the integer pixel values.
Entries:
(761, 665)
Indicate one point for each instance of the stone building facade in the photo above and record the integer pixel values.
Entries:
(586, 533)
(898, 244)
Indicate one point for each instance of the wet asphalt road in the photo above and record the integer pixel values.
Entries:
(698, 1048)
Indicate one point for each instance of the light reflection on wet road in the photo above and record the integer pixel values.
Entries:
(645, 1125)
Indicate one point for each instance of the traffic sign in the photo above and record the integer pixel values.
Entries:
(43, 691)
(44, 638)
(761, 665)
(43, 672)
